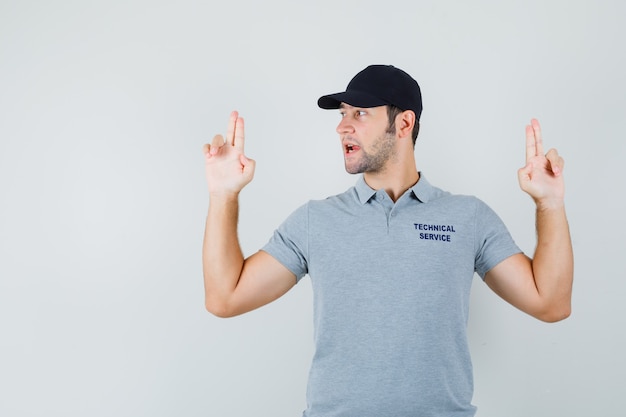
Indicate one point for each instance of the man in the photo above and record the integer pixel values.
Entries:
(391, 260)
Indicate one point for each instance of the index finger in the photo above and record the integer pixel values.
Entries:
(230, 131)
(239, 134)
(534, 141)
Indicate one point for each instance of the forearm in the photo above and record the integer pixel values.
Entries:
(553, 262)
(222, 258)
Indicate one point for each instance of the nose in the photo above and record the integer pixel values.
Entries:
(345, 126)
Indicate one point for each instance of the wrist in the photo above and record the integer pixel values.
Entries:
(549, 204)
(223, 196)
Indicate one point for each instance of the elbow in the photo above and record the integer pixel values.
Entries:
(217, 312)
(554, 315)
(218, 309)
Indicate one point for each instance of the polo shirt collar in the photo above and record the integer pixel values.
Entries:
(423, 191)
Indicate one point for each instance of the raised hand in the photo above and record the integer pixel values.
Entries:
(542, 176)
(228, 170)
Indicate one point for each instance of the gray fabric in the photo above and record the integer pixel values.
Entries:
(391, 286)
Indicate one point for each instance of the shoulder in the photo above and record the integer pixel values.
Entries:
(324, 207)
(426, 192)
(461, 206)
(347, 199)
(439, 197)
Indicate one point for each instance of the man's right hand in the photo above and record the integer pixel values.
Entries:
(234, 285)
(228, 170)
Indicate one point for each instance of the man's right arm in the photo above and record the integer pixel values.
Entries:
(234, 285)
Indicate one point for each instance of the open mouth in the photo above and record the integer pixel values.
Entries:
(349, 148)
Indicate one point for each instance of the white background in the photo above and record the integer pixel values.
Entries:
(104, 107)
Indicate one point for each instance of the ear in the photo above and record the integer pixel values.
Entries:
(404, 124)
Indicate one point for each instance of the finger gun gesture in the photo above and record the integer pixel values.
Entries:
(541, 177)
(228, 170)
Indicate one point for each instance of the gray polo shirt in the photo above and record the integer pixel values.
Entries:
(391, 285)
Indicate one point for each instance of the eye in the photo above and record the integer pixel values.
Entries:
(360, 113)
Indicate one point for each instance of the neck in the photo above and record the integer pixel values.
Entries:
(395, 183)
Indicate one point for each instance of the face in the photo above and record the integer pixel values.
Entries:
(367, 144)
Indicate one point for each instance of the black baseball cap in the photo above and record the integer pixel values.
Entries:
(378, 85)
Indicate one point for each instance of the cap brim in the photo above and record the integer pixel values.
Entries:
(353, 98)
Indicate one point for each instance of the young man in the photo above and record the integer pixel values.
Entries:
(391, 260)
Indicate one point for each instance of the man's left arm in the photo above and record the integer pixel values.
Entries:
(541, 286)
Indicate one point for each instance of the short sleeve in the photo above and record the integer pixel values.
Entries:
(289, 243)
(493, 242)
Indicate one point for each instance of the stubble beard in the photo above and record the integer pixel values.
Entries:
(375, 161)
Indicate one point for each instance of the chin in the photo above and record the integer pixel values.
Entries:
(353, 170)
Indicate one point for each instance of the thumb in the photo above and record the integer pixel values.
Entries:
(523, 174)
(248, 164)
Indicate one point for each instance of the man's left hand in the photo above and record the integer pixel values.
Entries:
(542, 176)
